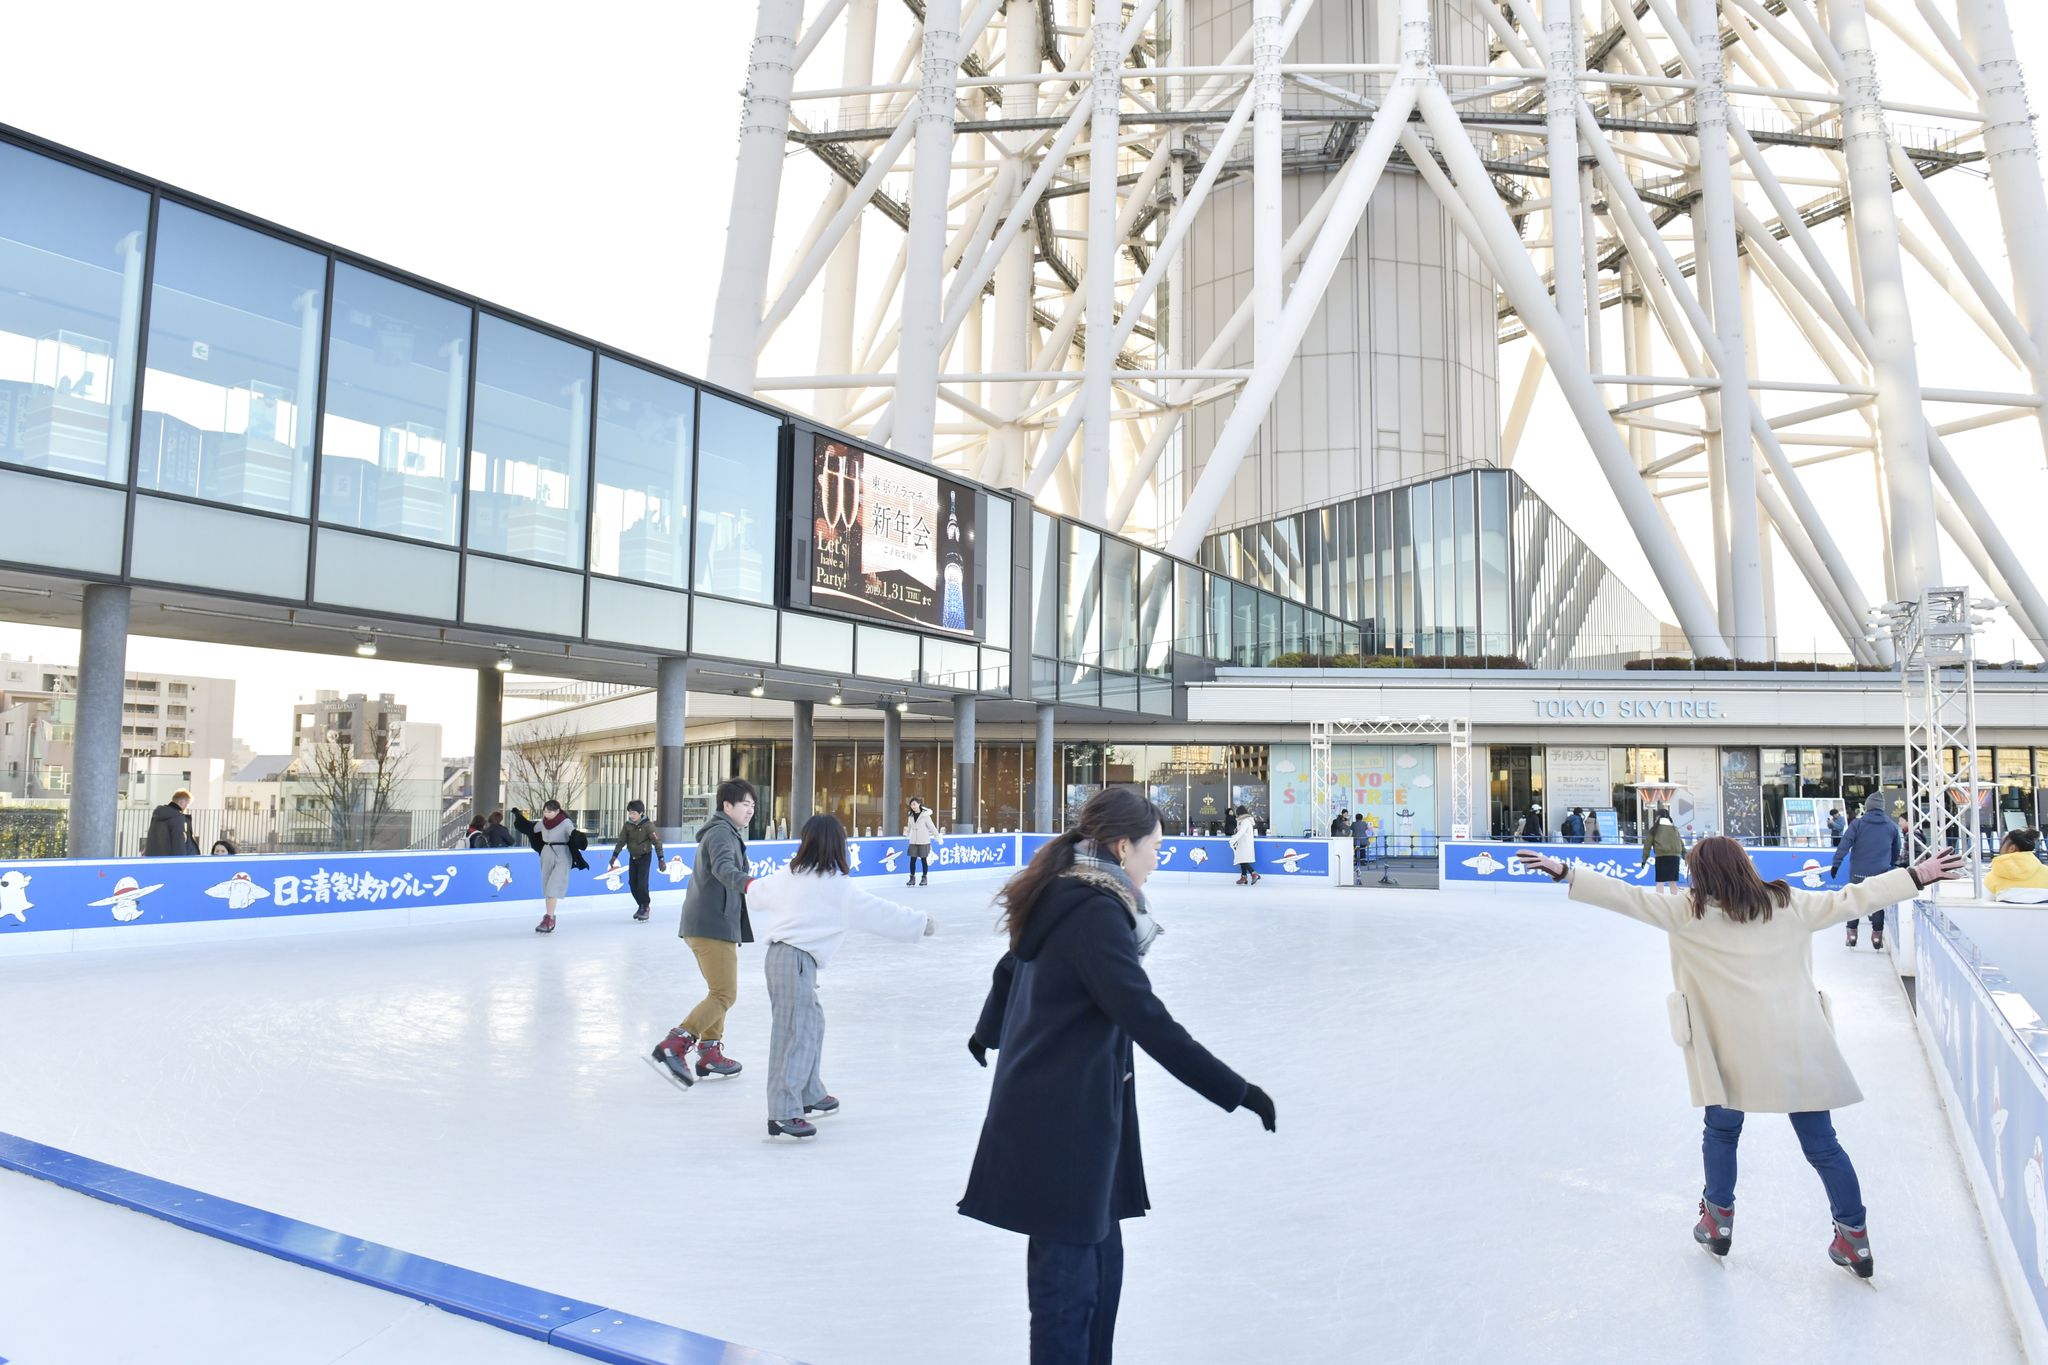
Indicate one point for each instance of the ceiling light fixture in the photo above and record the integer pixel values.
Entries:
(760, 687)
(903, 703)
(835, 699)
(366, 645)
(504, 664)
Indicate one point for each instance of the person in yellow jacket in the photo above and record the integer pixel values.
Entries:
(2016, 876)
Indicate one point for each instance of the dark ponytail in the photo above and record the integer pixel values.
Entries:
(1111, 814)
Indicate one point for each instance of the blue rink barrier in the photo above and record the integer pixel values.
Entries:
(1200, 854)
(1473, 863)
(1989, 1047)
(588, 1329)
(52, 896)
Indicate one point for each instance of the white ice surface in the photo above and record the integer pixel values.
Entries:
(1485, 1152)
(84, 1282)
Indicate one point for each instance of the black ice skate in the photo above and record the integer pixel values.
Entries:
(796, 1128)
(1716, 1228)
(1852, 934)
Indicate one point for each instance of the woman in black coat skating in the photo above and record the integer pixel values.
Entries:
(1059, 1159)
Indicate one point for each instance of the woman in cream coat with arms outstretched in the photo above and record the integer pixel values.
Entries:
(1756, 1031)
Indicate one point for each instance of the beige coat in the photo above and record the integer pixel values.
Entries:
(1755, 1028)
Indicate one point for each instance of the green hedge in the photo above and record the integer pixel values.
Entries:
(32, 832)
(1715, 664)
(1306, 660)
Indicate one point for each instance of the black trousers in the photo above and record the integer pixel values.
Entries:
(636, 877)
(1876, 916)
(1075, 1289)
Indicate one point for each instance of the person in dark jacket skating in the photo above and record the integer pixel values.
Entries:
(715, 924)
(641, 843)
(170, 829)
(1532, 824)
(1059, 1158)
(1871, 847)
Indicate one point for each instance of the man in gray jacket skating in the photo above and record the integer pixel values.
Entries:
(1872, 847)
(714, 925)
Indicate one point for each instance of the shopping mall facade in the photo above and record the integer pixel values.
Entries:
(216, 428)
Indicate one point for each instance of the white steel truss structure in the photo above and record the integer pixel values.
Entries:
(1936, 640)
(1028, 174)
(1325, 735)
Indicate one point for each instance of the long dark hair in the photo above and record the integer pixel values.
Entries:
(1111, 814)
(1722, 872)
(823, 847)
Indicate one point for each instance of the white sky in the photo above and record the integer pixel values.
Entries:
(578, 168)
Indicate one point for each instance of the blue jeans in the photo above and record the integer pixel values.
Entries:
(1876, 916)
(1074, 1289)
(1816, 1132)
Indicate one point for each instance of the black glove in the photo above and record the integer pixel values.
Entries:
(1260, 1103)
(979, 1049)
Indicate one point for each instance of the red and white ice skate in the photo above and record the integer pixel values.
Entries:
(712, 1062)
(1716, 1228)
(671, 1057)
(1851, 1249)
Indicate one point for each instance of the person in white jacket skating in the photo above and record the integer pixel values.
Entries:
(803, 913)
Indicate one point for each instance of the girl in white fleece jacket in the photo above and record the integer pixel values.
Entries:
(803, 913)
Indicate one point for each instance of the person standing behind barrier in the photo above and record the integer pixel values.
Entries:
(1341, 826)
(474, 836)
(170, 829)
(1837, 826)
(1573, 830)
(1871, 847)
(1757, 1032)
(496, 833)
(715, 924)
(804, 913)
(2016, 876)
(560, 846)
(1059, 1158)
(643, 845)
(1663, 842)
(1244, 849)
(920, 831)
(1532, 823)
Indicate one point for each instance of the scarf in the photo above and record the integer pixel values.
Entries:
(550, 821)
(1092, 865)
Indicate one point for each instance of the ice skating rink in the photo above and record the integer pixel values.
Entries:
(1485, 1151)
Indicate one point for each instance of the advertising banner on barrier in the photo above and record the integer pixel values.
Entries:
(61, 895)
(1494, 864)
(1999, 1089)
(1276, 857)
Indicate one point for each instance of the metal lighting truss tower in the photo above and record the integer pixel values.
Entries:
(1637, 177)
(1936, 640)
(1324, 735)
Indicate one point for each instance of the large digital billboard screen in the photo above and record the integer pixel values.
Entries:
(890, 540)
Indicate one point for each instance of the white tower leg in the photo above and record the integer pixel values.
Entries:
(920, 342)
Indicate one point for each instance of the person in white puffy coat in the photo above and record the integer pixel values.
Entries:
(1244, 850)
(1757, 1032)
(803, 913)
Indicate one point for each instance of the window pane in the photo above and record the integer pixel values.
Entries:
(1120, 606)
(738, 456)
(70, 305)
(1493, 564)
(234, 350)
(997, 529)
(1081, 589)
(1155, 613)
(391, 430)
(526, 482)
(1045, 585)
(640, 516)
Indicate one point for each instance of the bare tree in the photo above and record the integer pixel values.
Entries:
(544, 764)
(354, 792)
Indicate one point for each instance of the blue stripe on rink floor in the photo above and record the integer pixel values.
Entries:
(586, 1328)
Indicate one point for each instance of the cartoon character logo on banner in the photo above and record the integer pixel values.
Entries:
(14, 895)
(126, 902)
(239, 891)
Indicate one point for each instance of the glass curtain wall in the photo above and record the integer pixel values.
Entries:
(640, 517)
(232, 361)
(397, 395)
(71, 254)
(738, 492)
(527, 480)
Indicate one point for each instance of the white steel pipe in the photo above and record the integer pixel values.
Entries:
(757, 187)
(1902, 428)
(1674, 573)
(1235, 440)
(1100, 283)
(842, 274)
(1568, 271)
(1268, 192)
(919, 340)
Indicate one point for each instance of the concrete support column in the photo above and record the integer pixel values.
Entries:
(892, 768)
(966, 791)
(671, 711)
(1043, 770)
(803, 765)
(96, 738)
(487, 769)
